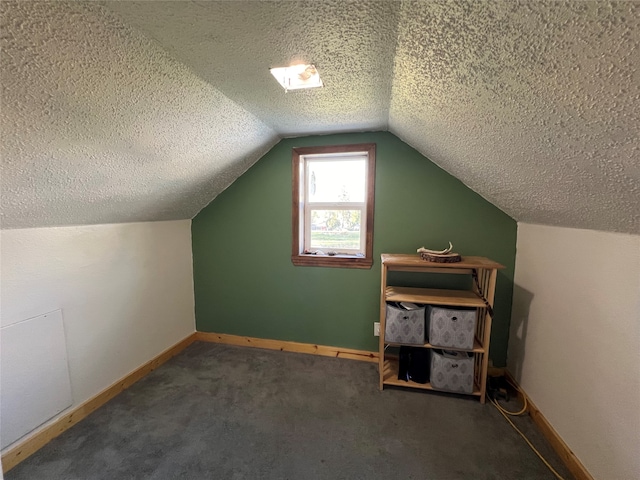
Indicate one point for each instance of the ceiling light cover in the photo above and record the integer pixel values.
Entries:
(297, 77)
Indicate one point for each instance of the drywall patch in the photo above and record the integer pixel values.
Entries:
(35, 374)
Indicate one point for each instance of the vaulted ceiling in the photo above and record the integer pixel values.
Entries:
(137, 111)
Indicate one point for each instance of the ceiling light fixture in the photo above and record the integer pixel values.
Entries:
(297, 77)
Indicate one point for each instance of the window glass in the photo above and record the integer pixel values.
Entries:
(336, 181)
(335, 230)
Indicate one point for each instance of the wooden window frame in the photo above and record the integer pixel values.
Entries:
(298, 257)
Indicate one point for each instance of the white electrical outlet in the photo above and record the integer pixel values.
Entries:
(376, 329)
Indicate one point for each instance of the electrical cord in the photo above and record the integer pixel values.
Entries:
(505, 413)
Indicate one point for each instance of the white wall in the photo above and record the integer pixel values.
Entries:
(125, 290)
(575, 340)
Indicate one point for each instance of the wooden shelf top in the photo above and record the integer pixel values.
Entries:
(400, 260)
(434, 296)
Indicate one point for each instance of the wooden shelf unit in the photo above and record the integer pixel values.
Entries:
(486, 271)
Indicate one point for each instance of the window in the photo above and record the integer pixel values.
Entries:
(333, 191)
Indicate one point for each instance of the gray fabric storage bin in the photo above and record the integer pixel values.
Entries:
(452, 371)
(404, 326)
(451, 327)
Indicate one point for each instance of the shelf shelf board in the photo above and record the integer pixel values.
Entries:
(390, 377)
(433, 296)
(413, 262)
(477, 346)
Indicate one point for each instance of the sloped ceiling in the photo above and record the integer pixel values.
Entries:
(136, 111)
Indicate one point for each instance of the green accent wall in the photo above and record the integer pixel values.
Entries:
(245, 283)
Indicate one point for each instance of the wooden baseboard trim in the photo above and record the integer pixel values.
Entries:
(574, 465)
(286, 346)
(32, 444)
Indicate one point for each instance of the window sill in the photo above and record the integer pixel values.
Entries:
(337, 261)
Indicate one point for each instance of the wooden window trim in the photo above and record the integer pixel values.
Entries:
(342, 261)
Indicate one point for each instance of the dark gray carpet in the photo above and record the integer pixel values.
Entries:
(220, 412)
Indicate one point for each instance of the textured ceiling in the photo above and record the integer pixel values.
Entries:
(100, 125)
(134, 111)
(232, 45)
(534, 105)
